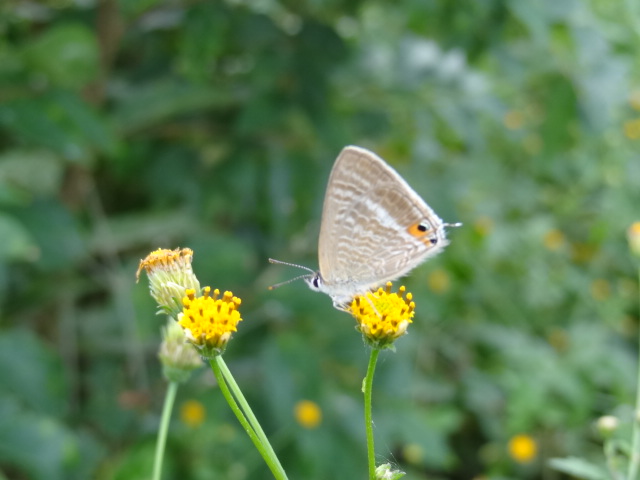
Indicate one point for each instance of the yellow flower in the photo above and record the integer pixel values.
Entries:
(582, 252)
(554, 240)
(513, 120)
(634, 99)
(308, 414)
(600, 289)
(632, 129)
(523, 448)
(209, 321)
(633, 235)
(177, 355)
(558, 339)
(413, 453)
(170, 274)
(192, 413)
(382, 316)
(483, 226)
(438, 281)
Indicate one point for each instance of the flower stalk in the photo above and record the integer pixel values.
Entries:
(367, 387)
(169, 400)
(633, 236)
(634, 462)
(252, 427)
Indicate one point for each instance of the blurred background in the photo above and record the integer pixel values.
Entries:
(128, 125)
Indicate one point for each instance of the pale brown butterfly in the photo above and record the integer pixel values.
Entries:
(374, 228)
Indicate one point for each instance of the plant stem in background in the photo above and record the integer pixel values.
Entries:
(634, 462)
(367, 387)
(164, 427)
(263, 446)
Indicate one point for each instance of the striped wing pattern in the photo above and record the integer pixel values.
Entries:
(366, 234)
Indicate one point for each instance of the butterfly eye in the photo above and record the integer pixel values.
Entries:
(316, 282)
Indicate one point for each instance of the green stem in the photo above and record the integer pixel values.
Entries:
(265, 449)
(368, 421)
(634, 463)
(237, 393)
(164, 427)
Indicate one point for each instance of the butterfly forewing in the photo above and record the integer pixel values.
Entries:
(375, 228)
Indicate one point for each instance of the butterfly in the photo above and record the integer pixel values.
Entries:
(375, 228)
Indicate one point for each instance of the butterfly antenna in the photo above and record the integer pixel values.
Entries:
(457, 224)
(273, 287)
(279, 262)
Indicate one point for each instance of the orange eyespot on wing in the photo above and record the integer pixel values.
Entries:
(422, 232)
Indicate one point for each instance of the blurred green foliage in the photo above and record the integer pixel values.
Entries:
(135, 124)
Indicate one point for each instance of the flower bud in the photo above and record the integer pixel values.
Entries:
(178, 357)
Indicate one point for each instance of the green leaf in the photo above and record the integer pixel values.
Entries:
(38, 172)
(155, 103)
(56, 231)
(17, 243)
(579, 468)
(65, 55)
(31, 372)
(61, 121)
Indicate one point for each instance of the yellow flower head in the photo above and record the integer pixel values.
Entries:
(554, 240)
(634, 99)
(439, 281)
(209, 321)
(192, 413)
(632, 129)
(513, 119)
(633, 235)
(600, 289)
(523, 448)
(382, 316)
(170, 275)
(308, 414)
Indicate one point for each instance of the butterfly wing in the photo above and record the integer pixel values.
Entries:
(374, 228)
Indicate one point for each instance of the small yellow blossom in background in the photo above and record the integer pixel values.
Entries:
(582, 252)
(413, 453)
(438, 281)
(558, 339)
(522, 448)
(383, 316)
(513, 119)
(600, 289)
(192, 413)
(170, 274)
(633, 235)
(554, 240)
(209, 321)
(308, 414)
(632, 129)
(483, 226)
(634, 99)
